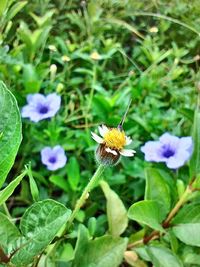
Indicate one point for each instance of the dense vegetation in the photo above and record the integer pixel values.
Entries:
(91, 58)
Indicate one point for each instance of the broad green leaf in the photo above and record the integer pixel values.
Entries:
(188, 233)
(9, 234)
(73, 173)
(105, 251)
(10, 128)
(15, 9)
(195, 159)
(116, 212)
(147, 212)
(188, 214)
(163, 257)
(39, 225)
(8, 190)
(3, 6)
(157, 189)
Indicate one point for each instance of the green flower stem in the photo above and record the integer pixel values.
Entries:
(94, 180)
(178, 205)
(86, 191)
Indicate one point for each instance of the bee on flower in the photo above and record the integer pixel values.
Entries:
(111, 144)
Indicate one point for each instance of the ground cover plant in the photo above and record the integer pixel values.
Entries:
(99, 133)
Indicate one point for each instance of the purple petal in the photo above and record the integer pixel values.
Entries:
(152, 151)
(54, 102)
(40, 107)
(34, 99)
(46, 153)
(170, 140)
(186, 143)
(178, 160)
(54, 158)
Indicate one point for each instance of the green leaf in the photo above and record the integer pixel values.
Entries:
(195, 159)
(33, 186)
(15, 9)
(157, 189)
(188, 214)
(8, 190)
(10, 128)
(3, 6)
(163, 257)
(147, 212)
(188, 233)
(39, 225)
(73, 173)
(60, 181)
(30, 79)
(9, 234)
(116, 212)
(105, 251)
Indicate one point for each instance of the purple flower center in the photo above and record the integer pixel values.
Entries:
(168, 152)
(52, 159)
(43, 109)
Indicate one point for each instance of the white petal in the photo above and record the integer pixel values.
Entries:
(127, 152)
(111, 151)
(97, 138)
(128, 140)
(103, 130)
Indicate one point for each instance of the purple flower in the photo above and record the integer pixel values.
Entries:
(54, 158)
(172, 150)
(41, 107)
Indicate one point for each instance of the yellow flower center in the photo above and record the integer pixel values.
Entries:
(115, 138)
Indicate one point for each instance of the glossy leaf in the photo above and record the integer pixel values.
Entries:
(8, 190)
(147, 212)
(105, 251)
(39, 225)
(9, 234)
(188, 214)
(188, 233)
(10, 129)
(116, 212)
(163, 257)
(157, 189)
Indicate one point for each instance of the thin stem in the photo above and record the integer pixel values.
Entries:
(178, 205)
(156, 234)
(87, 189)
(95, 178)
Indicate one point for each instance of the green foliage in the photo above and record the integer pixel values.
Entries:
(105, 251)
(157, 189)
(147, 212)
(97, 55)
(10, 128)
(73, 173)
(195, 160)
(163, 257)
(117, 217)
(9, 233)
(39, 225)
(188, 233)
(8, 190)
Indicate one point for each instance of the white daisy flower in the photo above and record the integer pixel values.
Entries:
(111, 145)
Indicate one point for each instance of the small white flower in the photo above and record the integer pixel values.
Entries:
(111, 145)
